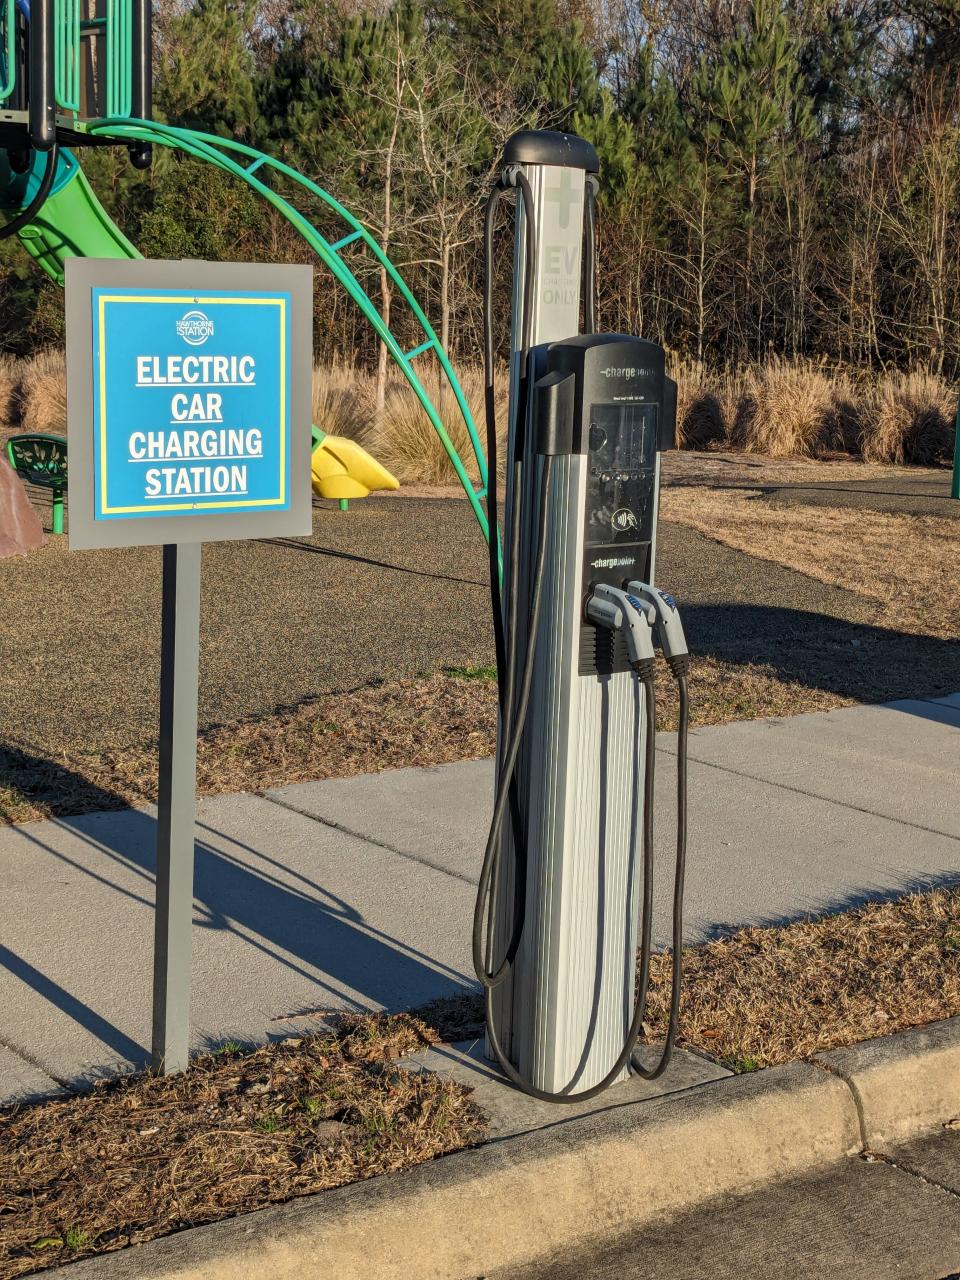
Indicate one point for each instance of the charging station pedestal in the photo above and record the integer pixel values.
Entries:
(563, 1015)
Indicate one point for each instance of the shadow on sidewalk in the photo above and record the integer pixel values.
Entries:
(277, 910)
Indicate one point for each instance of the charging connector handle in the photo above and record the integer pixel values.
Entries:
(665, 617)
(604, 613)
(636, 624)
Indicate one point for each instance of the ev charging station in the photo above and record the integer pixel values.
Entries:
(566, 890)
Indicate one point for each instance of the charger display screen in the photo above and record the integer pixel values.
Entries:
(621, 469)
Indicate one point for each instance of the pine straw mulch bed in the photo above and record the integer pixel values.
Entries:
(765, 996)
(146, 1155)
(761, 997)
(431, 721)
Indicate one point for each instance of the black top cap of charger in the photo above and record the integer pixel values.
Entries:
(544, 146)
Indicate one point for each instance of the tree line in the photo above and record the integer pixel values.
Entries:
(777, 176)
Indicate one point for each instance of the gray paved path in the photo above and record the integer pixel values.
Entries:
(392, 588)
(358, 892)
(920, 495)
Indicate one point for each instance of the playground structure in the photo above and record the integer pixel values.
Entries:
(77, 73)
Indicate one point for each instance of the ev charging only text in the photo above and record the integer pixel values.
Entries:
(197, 455)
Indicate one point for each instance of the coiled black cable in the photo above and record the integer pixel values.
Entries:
(26, 216)
(506, 655)
(636, 1025)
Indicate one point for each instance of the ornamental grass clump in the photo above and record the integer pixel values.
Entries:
(405, 440)
(909, 418)
(343, 401)
(43, 393)
(785, 409)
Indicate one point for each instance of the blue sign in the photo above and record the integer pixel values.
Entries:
(191, 397)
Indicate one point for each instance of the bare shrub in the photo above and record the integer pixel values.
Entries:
(405, 440)
(343, 401)
(43, 393)
(909, 418)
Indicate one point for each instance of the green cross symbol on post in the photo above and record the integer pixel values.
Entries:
(564, 196)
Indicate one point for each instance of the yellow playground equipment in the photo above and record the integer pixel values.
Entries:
(341, 469)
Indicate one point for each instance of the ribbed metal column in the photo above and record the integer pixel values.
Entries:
(564, 1017)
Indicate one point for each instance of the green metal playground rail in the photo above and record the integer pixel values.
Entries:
(8, 72)
(216, 150)
(116, 27)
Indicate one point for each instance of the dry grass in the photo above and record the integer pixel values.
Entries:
(807, 409)
(410, 722)
(909, 417)
(704, 409)
(761, 997)
(342, 401)
(786, 409)
(43, 393)
(405, 441)
(144, 1156)
(402, 436)
(905, 563)
(779, 408)
(406, 723)
(10, 373)
(766, 996)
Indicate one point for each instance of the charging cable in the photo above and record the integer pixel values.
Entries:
(505, 633)
(618, 611)
(665, 615)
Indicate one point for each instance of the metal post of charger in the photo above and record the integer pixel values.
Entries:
(176, 806)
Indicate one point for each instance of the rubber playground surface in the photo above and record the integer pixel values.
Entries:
(388, 590)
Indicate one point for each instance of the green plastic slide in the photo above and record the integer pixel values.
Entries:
(72, 223)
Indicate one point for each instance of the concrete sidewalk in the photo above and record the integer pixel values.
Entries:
(358, 893)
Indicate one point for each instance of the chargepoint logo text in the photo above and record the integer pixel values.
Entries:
(612, 562)
(628, 371)
(195, 328)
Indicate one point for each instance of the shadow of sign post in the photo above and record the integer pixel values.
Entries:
(188, 409)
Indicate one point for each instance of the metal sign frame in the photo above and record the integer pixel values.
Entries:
(83, 275)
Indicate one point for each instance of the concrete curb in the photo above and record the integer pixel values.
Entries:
(903, 1085)
(512, 1201)
(579, 1181)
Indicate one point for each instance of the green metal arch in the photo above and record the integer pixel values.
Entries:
(214, 150)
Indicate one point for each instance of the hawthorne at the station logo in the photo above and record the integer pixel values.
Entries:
(195, 328)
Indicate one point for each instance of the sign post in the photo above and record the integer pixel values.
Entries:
(188, 408)
(176, 805)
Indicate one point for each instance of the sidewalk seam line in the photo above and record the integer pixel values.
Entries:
(359, 835)
(816, 795)
(854, 1093)
(31, 1061)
